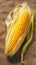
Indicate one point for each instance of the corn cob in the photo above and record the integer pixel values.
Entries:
(17, 30)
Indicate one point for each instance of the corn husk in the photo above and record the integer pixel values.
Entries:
(10, 21)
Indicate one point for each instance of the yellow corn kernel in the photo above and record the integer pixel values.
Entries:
(18, 29)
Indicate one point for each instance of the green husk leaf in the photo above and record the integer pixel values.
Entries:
(28, 37)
